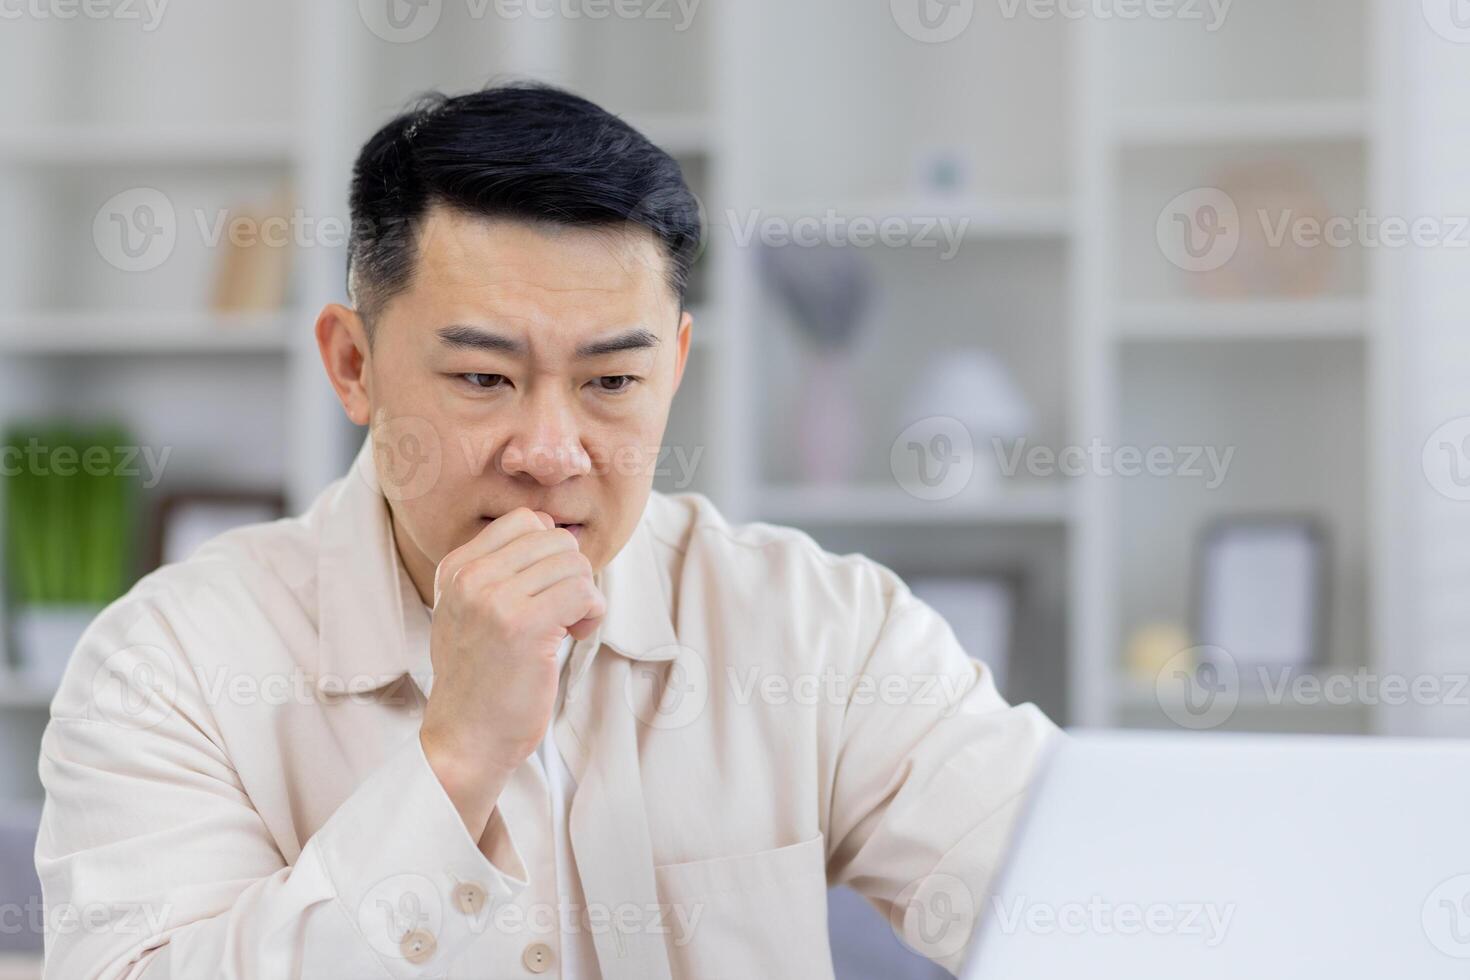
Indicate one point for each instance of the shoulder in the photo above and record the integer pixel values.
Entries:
(780, 571)
(251, 566)
(237, 603)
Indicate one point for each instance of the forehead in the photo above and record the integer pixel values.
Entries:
(469, 263)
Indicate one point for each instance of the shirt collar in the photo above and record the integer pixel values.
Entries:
(374, 627)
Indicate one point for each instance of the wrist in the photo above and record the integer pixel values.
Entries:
(472, 786)
(464, 761)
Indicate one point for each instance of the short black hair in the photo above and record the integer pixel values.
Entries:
(521, 150)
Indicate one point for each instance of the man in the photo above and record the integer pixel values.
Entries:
(491, 707)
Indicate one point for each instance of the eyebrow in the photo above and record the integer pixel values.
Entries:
(478, 338)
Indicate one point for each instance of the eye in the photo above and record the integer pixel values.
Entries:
(621, 383)
(487, 381)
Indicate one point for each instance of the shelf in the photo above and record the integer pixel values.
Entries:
(1207, 123)
(982, 218)
(182, 332)
(107, 146)
(1246, 320)
(885, 504)
(1136, 695)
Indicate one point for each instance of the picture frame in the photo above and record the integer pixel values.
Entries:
(1261, 589)
(185, 519)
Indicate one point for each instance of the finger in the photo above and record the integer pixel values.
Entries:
(517, 556)
(571, 601)
(548, 571)
(490, 538)
(585, 627)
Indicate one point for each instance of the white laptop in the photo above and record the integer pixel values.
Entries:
(1145, 856)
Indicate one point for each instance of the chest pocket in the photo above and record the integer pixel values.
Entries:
(762, 914)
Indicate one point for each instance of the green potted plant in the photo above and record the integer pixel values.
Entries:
(70, 497)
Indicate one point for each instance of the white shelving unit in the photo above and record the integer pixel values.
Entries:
(112, 145)
(1073, 136)
(887, 504)
(1226, 123)
(234, 396)
(1243, 320)
(1296, 383)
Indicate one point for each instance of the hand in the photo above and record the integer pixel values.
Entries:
(503, 602)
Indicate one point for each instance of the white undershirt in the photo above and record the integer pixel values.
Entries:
(579, 954)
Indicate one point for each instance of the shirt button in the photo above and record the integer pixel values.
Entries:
(537, 957)
(418, 946)
(469, 897)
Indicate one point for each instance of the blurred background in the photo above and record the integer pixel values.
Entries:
(1131, 334)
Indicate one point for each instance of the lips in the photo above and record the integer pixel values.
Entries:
(576, 527)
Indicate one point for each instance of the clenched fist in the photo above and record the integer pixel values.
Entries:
(503, 602)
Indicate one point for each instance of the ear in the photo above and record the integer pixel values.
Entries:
(686, 329)
(341, 337)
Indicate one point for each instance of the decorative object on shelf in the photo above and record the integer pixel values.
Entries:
(974, 387)
(1262, 590)
(828, 289)
(255, 257)
(186, 519)
(1151, 647)
(69, 513)
(942, 172)
(1274, 199)
(981, 610)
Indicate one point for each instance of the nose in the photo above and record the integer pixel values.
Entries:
(546, 443)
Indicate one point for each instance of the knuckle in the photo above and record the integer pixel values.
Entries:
(473, 578)
(461, 584)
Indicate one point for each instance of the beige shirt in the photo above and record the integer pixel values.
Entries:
(235, 787)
